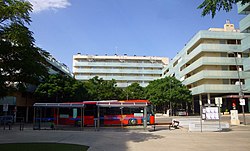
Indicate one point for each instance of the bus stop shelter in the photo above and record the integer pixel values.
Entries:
(121, 105)
(40, 111)
(40, 107)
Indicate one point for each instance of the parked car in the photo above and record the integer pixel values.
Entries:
(181, 112)
(8, 119)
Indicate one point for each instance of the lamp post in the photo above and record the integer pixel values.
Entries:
(127, 90)
(241, 94)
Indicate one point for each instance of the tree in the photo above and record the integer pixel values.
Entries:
(134, 91)
(164, 91)
(100, 89)
(58, 88)
(20, 61)
(212, 6)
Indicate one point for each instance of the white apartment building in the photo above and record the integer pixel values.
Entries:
(124, 69)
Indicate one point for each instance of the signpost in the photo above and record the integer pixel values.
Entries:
(5, 110)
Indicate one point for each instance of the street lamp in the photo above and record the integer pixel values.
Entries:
(127, 90)
(241, 94)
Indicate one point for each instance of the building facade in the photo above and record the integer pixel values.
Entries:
(211, 65)
(245, 43)
(124, 69)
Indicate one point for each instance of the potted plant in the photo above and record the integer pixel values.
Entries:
(226, 112)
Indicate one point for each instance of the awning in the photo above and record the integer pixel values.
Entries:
(122, 104)
(59, 105)
(235, 96)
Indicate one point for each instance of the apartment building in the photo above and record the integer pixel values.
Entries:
(245, 43)
(208, 65)
(21, 104)
(124, 69)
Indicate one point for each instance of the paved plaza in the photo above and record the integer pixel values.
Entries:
(136, 139)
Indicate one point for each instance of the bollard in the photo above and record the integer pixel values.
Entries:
(9, 126)
(21, 126)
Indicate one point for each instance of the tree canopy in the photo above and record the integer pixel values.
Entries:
(212, 6)
(134, 91)
(58, 88)
(167, 90)
(99, 89)
(20, 61)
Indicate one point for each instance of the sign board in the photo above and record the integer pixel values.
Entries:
(210, 113)
(5, 107)
(75, 113)
(64, 115)
(242, 102)
(234, 115)
(218, 101)
(138, 114)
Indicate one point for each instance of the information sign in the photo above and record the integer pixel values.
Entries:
(5, 107)
(242, 102)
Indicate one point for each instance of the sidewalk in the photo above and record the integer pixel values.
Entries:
(108, 139)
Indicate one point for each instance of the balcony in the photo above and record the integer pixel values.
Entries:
(243, 9)
(215, 88)
(115, 64)
(117, 71)
(247, 85)
(245, 24)
(214, 74)
(119, 78)
(245, 43)
(214, 48)
(246, 62)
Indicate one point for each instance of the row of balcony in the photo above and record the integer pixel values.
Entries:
(119, 78)
(218, 61)
(213, 60)
(115, 64)
(205, 34)
(210, 48)
(117, 71)
(215, 88)
(123, 85)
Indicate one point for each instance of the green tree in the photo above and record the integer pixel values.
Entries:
(100, 89)
(212, 6)
(20, 61)
(134, 91)
(164, 91)
(58, 88)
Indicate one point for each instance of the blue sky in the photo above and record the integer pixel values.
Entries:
(133, 27)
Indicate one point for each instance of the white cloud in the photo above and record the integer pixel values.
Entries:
(40, 5)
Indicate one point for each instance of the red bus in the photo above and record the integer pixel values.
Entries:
(103, 113)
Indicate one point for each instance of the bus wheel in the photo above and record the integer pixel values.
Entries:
(132, 121)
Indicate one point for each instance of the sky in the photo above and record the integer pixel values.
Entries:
(133, 27)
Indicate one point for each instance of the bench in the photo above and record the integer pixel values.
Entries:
(174, 124)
